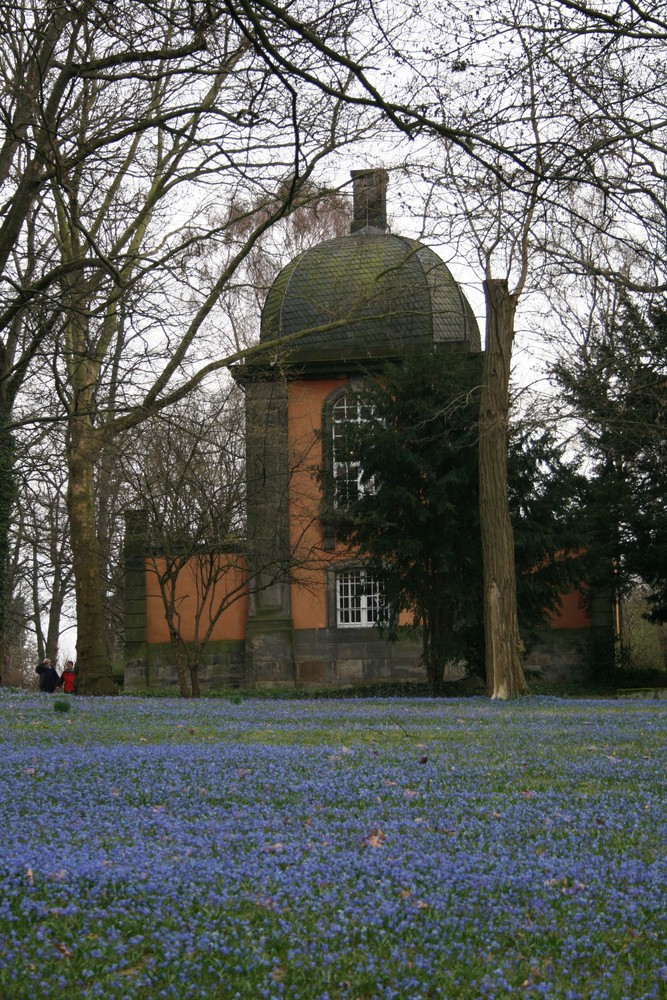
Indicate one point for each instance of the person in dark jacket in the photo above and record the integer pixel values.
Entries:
(48, 676)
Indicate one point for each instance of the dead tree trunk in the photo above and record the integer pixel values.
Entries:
(503, 645)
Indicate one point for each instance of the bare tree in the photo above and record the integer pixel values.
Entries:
(491, 215)
(186, 475)
(190, 488)
(40, 567)
(151, 125)
(570, 169)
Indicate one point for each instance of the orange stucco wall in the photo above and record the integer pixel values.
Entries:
(311, 560)
(305, 402)
(570, 614)
(308, 593)
(230, 587)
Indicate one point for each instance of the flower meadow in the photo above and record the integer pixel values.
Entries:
(325, 849)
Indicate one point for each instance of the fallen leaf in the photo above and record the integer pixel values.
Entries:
(375, 838)
(64, 950)
(569, 890)
(133, 970)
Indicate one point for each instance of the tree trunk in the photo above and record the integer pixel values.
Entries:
(53, 630)
(94, 669)
(662, 640)
(431, 657)
(193, 667)
(7, 494)
(181, 660)
(503, 645)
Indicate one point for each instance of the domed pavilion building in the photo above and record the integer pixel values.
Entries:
(336, 314)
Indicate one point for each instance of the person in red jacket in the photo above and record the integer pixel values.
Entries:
(68, 677)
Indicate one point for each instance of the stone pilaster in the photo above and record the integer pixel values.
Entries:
(135, 652)
(269, 644)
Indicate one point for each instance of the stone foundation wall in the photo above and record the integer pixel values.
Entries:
(335, 658)
(332, 657)
(269, 657)
(223, 667)
(560, 655)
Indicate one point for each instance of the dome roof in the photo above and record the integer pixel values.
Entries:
(366, 295)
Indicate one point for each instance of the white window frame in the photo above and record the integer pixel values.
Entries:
(347, 410)
(359, 599)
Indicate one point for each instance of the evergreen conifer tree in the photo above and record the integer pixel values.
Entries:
(416, 518)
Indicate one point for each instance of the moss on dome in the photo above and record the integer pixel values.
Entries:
(367, 295)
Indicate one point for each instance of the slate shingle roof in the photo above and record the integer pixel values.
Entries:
(367, 295)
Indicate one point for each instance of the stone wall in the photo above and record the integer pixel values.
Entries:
(223, 666)
(560, 655)
(331, 657)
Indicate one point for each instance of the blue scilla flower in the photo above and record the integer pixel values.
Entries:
(189, 863)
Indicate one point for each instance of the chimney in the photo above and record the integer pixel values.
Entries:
(369, 193)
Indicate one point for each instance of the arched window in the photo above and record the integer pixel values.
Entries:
(347, 412)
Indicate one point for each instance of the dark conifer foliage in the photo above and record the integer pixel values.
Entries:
(418, 518)
(616, 384)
